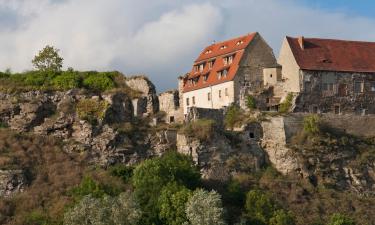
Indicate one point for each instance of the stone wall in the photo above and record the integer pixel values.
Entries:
(335, 92)
(147, 103)
(195, 113)
(169, 102)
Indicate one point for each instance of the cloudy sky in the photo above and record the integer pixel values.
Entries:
(161, 38)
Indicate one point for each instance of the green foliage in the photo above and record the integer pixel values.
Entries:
(205, 208)
(339, 219)
(36, 217)
(286, 104)
(172, 203)
(99, 81)
(38, 78)
(233, 116)
(92, 110)
(122, 171)
(281, 217)
(48, 59)
(152, 175)
(201, 129)
(234, 193)
(89, 186)
(311, 124)
(121, 210)
(259, 207)
(67, 80)
(250, 102)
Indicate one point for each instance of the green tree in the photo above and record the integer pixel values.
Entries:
(311, 124)
(121, 210)
(259, 207)
(48, 59)
(280, 217)
(233, 116)
(286, 104)
(172, 202)
(205, 208)
(152, 175)
(339, 219)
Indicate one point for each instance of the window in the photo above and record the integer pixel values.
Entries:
(226, 92)
(224, 73)
(219, 74)
(251, 135)
(239, 42)
(372, 86)
(228, 60)
(196, 68)
(201, 67)
(187, 101)
(171, 119)
(210, 64)
(209, 96)
(205, 77)
(208, 51)
(358, 86)
(337, 109)
(219, 93)
(193, 100)
(271, 75)
(223, 47)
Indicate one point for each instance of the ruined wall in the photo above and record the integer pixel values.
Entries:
(335, 92)
(148, 100)
(169, 103)
(195, 113)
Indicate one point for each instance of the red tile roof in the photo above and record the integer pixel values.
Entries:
(218, 52)
(333, 55)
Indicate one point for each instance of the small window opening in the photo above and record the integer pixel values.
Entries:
(171, 119)
(251, 135)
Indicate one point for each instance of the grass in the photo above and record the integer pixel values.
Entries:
(202, 129)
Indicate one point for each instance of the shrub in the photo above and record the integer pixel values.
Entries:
(250, 102)
(122, 171)
(36, 78)
(89, 186)
(286, 104)
(108, 210)
(339, 219)
(280, 217)
(172, 202)
(311, 124)
(259, 207)
(67, 80)
(233, 116)
(205, 208)
(99, 81)
(92, 110)
(201, 129)
(152, 175)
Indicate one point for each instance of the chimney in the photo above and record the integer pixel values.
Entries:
(301, 42)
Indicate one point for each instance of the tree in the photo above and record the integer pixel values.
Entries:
(48, 59)
(250, 102)
(233, 116)
(152, 175)
(259, 207)
(339, 219)
(121, 210)
(280, 217)
(205, 208)
(172, 202)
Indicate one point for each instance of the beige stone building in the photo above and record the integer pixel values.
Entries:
(327, 75)
(226, 72)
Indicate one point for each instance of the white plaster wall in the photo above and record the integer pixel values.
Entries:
(290, 68)
(201, 99)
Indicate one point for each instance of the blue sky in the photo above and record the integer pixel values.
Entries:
(161, 38)
(350, 7)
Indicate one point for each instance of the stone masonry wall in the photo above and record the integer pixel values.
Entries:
(169, 102)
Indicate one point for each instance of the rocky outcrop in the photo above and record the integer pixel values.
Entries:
(148, 102)
(11, 182)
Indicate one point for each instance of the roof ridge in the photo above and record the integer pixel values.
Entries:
(331, 39)
(242, 36)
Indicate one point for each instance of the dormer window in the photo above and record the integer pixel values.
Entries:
(223, 47)
(205, 77)
(196, 68)
(222, 74)
(201, 67)
(239, 42)
(211, 64)
(228, 60)
(208, 51)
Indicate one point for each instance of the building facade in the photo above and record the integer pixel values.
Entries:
(226, 72)
(328, 75)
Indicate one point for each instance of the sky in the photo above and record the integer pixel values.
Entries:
(162, 38)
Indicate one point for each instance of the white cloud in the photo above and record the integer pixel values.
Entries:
(159, 37)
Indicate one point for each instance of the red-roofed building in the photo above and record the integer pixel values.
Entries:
(225, 72)
(329, 75)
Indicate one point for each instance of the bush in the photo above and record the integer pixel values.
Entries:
(122, 171)
(67, 80)
(250, 102)
(286, 104)
(201, 129)
(233, 116)
(37, 79)
(92, 110)
(99, 81)
(339, 219)
(259, 207)
(152, 175)
(311, 124)
(280, 217)
(205, 208)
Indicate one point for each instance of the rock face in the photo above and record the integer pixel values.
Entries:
(221, 157)
(11, 182)
(148, 102)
